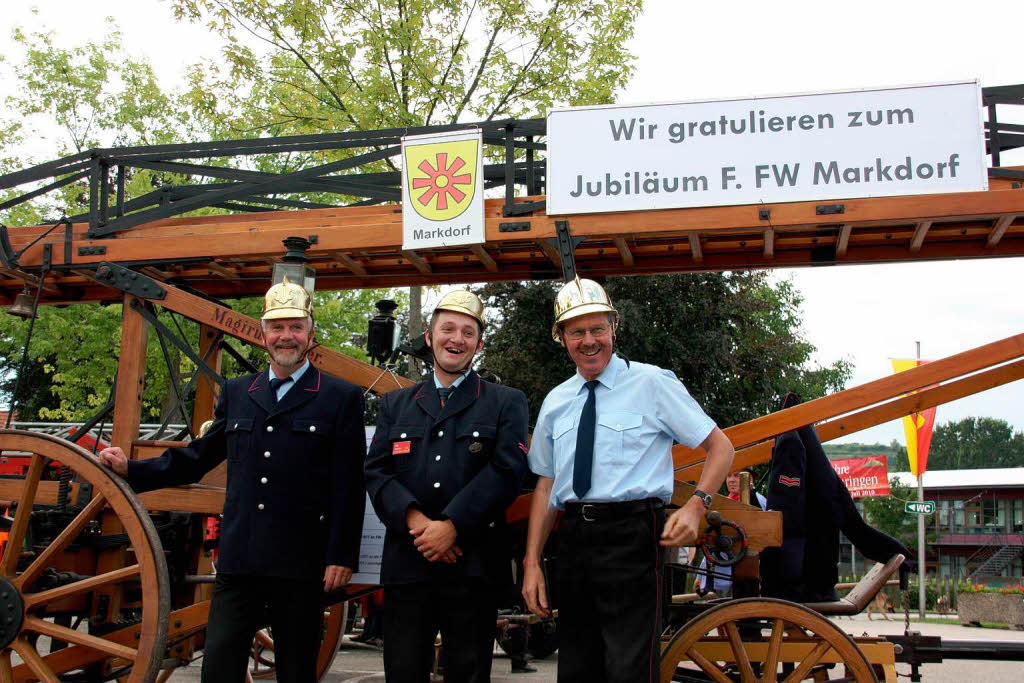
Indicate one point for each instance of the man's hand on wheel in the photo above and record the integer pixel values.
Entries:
(115, 459)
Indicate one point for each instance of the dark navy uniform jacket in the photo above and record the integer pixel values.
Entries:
(295, 498)
(815, 506)
(464, 462)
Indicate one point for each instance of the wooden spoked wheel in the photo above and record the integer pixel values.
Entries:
(760, 639)
(136, 650)
(262, 658)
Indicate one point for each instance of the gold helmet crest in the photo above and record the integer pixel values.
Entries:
(581, 297)
(287, 300)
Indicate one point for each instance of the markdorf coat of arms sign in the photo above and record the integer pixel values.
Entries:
(442, 190)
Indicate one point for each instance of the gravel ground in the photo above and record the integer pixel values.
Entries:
(356, 662)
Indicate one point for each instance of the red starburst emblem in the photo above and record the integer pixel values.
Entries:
(442, 181)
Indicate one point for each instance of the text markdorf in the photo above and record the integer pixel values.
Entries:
(781, 175)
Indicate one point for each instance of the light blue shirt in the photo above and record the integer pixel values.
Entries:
(457, 382)
(283, 389)
(641, 409)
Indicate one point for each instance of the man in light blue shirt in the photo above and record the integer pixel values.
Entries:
(602, 450)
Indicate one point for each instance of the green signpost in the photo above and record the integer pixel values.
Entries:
(923, 507)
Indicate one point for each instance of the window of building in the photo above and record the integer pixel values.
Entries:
(1018, 515)
(992, 514)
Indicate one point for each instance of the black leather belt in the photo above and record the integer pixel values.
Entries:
(593, 512)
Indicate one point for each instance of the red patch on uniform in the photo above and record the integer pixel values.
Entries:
(401, 447)
(789, 481)
(523, 447)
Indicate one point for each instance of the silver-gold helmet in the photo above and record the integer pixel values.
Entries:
(287, 300)
(581, 297)
(465, 302)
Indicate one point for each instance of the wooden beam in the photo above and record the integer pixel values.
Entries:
(689, 468)
(999, 229)
(550, 251)
(350, 263)
(417, 260)
(844, 239)
(484, 257)
(131, 376)
(248, 330)
(769, 243)
(919, 234)
(223, 271)
(29, 279)
(206, 389)
(624, 252)
(695, 249)
(154, 273)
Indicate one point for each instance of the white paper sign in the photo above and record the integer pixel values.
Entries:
(866, 143)
(442, 190)
(371, 548)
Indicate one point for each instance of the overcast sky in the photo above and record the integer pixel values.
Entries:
(687, 51)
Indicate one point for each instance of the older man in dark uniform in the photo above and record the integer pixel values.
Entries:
(293, 514)
(447, 459)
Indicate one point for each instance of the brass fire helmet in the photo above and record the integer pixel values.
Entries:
(287, 300)
(465, 302)
(581, 297)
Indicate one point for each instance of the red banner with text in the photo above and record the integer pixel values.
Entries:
(864, 476)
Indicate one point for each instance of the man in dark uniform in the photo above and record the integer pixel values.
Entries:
(293, 514)
(447, 459)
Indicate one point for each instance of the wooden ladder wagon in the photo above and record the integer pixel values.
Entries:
(119, 582)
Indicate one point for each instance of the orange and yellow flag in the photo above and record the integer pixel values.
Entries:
(917, 426)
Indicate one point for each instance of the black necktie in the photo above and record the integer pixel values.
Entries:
(584, 463)
(275, 384)
(444, 393)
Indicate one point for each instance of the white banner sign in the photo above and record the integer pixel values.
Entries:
(442, 190)
(866, 143)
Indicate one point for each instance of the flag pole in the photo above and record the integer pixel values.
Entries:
(922, 573)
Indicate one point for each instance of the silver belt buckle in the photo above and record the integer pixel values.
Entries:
(583, 512)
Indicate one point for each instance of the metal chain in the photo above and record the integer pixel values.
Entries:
(906, 610)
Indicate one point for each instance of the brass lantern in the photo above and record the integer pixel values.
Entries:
(294, 265)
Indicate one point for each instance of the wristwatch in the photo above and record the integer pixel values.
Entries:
(704, 498)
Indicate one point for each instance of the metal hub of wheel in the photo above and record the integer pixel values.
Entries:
(12, 612)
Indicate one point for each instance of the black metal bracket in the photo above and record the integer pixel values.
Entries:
(521, 226)
(239, 358)
(92, 251)
(129, 281)
(9, 257)
(829, 209)
(566, 245)
(163, 330)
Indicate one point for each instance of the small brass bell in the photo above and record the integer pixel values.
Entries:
(22, 306)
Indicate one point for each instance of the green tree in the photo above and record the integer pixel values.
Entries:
(98, 95)
(293, 66)
(886, 513)
(976, 442)
(734, 339)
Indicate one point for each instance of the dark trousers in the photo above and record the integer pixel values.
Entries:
(242, 605)
(609, 593)
(465, 612)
